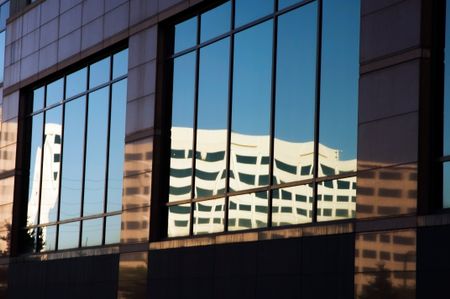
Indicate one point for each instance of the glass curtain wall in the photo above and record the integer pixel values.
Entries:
(76, 158)
(264, 115)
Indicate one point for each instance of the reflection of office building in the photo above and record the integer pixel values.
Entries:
(224, 149)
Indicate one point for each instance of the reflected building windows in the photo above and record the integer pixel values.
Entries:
(263, 127)
(77, 131)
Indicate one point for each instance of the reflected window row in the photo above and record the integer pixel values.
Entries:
(77, 131)
(249, 80)
(4, 15)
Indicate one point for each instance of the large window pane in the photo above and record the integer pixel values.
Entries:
(55, 92)
(336, 199)
(116, 145)
(251, 104)
(339, 84)
(186, 34)
(76, 83)
(247, 211)
(94, 183)
(38, 98)
(46, 239)
(212, 119)
(292, 205)
(182, 127)
(92, 232)
(35, 168)
(216, 21)
(51, 165)
(295, 94)
(69, 234)
(72, 167)
(179, 220)
(209, 216)
(120, 64)
(250, 10)
(112, 234)
(99, 72)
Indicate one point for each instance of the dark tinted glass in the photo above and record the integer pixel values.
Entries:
(215, 22)
(55, 92)
(295, 93)
(186, 34)
(446, 183)
(76, 83)
(248, 211)
(182, 125)
(179, 219)
(116, 145)
(212, 116)
(251, 100)
(447, 84)
(72, 167)
(92, 232)
(292, 205)
(35, 168)
(250, 10)
(99, 72)
(69, 234)
(285, 3)
(208, 216)
(339, 83)
(94, 183)
(51, 165)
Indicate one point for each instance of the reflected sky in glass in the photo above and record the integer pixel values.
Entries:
(186, 34)
(38, 98)
(339, 81)
(215, 22)
(94, 184)
(48, 241)
(285, 3)
(250, 10)
(113, 225)
(212, 116)
(68, 235)
(2, 54)
(251, 100)
(99, 72)
(116, 145)
(55, 92)
(295, 94)
(92, 232)
(182, 127)
(35, 168)
(72, 167)
(51, 165)
(120, 64)
(447, 84)
(4, 14)
(76, 83)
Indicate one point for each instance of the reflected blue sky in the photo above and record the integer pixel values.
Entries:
(186, 34)
(215, 22)
(55, 92)
(340, 73)
(76, 83)
(250, 10)
(99, 72)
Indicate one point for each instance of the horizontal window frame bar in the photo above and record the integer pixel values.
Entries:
(65, 221)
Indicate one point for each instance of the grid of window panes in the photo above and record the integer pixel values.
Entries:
(4, 14)
(262, 92)
(77, 125)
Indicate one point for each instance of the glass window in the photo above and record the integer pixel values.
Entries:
(76, 157)
(244, 116)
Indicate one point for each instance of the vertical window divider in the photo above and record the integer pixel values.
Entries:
(272, 111)
(194, 139)
(38, 216)
(61, 155)
(83, 176)
(108, 139)
(317, 109)
(229, 118)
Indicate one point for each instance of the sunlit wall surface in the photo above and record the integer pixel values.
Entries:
(77, 127)
(264, 115)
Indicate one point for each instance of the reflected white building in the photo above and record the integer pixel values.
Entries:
(249, 168)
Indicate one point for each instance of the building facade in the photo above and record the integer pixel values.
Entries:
(229, 148)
